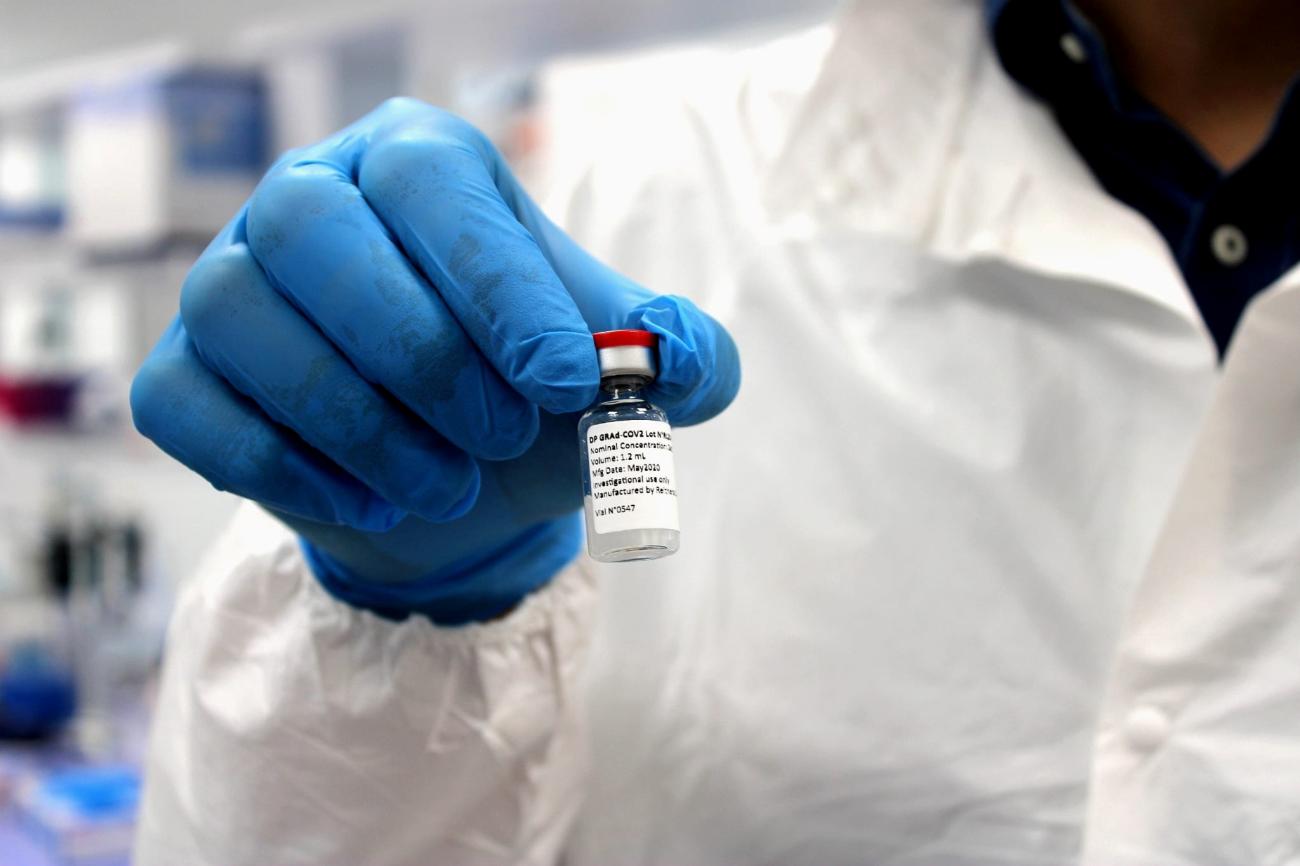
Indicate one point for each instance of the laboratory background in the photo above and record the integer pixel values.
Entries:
(129, 133)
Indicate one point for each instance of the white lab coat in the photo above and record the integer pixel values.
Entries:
(989, 564)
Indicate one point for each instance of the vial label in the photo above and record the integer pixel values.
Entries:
(632, 481)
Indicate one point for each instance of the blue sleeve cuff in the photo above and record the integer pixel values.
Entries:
(477, 588)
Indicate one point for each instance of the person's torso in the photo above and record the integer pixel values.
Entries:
(972, 387)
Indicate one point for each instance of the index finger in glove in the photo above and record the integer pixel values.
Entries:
(429, 180)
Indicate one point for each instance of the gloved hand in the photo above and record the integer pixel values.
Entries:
(385, 348)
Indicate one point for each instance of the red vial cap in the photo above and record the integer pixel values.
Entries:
(626, 337)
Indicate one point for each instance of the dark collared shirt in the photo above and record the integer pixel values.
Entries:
(1232, 233)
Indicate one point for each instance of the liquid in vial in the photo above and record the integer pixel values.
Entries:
(628, 480)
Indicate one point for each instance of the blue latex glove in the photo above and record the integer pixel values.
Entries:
(385, 348)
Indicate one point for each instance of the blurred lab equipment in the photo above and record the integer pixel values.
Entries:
(162, 156)
(153, 160)
(37, 692)
(31, 170)
(80, 637)
(60, 338)
(83, 815)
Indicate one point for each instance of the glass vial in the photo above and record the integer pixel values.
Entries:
(628, 482)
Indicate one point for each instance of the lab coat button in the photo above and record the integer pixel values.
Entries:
(1072, 47)
(1229, 245)
(1146, 728)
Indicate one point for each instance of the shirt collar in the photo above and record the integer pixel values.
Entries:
(945, 151)
(1144, 160)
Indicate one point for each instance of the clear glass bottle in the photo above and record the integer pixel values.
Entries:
(628, 478)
